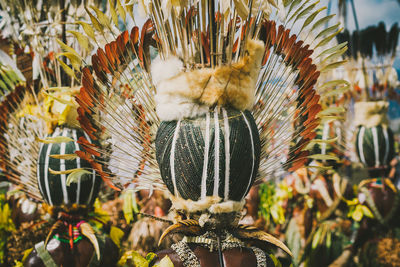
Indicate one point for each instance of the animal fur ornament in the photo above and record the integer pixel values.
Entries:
(371, 114)
(189, 94)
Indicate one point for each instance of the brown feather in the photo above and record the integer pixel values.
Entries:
(134, 35)
(103, 60)
(89, 147)
(206, 44)
(110, 55)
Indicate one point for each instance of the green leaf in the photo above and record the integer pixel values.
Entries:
(316, 238)
(324, 231)
(293, 237)
(74, 59)
(102, 18)
(338, 91)
(165, 262)
(129, 8)
(333, 66)
(114, 15)
(287, 2)
(335, 55)
(329, 240)
(64, 156)
(87, 29)
(327, 31)
(9, 76)
(62, 101)
(328, 39)
(366, 211)
(311, 18)
(4, 87)
(322, 21)
(306, 11)
(7, 84)
(298, 10)
(55, 140)
(276, 262)
(26, 254)
(323, 157)
(121, 10)
(320, 141)
(138, 260)
(130, 206)
(293, 5)
(74, 176)
(116, 235)
(358, 213)
(332, 110)
(62, 172)
(333, 84)
(96, 24)
(321, 168)
(67, 69)
(83, 41)
(333, 49)
(150, 256)
(67, 48)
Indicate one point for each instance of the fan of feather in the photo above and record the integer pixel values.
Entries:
(34, 26)
(371, 54)
(117, 98)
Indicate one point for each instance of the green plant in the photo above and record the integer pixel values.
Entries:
(272, 198)
(138, 260)
(6, 225)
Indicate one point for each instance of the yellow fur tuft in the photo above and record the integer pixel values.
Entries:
(228, 86)
(213, 204)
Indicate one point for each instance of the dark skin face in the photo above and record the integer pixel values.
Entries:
(80, 256)
(383, 198)
(236, 257)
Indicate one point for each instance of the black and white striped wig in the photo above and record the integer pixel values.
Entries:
(52, 172)
(209, 162)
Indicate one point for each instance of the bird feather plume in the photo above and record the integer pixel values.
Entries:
(195, 55)
(32, 109)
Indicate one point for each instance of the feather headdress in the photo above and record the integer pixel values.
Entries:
(39, 129)
(213, 57)
(38, 108)
(371, 57)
